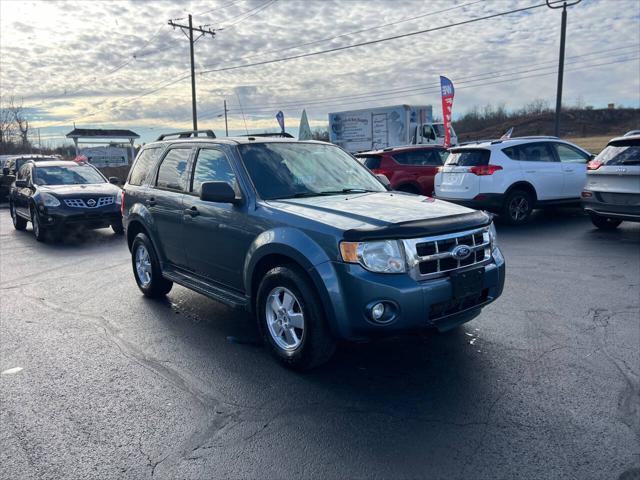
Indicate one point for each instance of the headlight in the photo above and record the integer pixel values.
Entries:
(384, 256)
(119, 198)
(49, 200)
(493, 236)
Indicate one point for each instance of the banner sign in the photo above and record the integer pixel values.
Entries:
(447, 92)
(280, 118)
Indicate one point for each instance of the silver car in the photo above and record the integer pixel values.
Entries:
(612, 192)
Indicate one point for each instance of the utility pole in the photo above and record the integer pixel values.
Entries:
(563, 34)
(201, 29)
(226, 125)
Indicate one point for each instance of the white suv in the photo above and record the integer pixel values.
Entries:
(512, 177)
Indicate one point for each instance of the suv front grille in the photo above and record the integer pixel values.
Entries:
(433, 256)
(89, 202)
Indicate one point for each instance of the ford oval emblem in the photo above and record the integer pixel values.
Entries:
(461, 252)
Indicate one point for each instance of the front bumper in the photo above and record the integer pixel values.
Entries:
(627, 207)
(484, 201)
(60, 218)
(418, 304)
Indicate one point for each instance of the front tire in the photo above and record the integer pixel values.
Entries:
(291, 319)
(19, 223)
(517, 207)
(146, 268)
(604, 223)
(38, 230)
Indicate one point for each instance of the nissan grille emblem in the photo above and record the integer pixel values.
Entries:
(461, 252)
(91, 202)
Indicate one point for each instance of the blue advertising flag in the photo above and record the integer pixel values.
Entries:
(280, 118)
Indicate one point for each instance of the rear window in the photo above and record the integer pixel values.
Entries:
(469, 157)
(371, 162)
(143, 163)
(622, 152)
(171, 174)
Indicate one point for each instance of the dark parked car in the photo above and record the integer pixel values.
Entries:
(308, 239)
(12, 164)
(409, 169)
(54, 195)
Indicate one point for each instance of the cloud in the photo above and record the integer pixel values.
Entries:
(88, 61)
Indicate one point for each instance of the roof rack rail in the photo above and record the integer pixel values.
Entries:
(187, 134)
(279, 134)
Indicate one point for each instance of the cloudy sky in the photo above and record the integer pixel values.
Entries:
(119, 64)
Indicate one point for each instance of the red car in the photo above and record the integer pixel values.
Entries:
(409, 169)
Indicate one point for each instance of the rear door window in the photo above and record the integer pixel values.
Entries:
(419, 157)
(172, 171)
(468, 157)
(531, 152)
(142, 165)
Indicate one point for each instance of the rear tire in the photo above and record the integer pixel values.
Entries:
(291, 319)
(146, 268)
(117, 228)
(517, 207)
(604, 223)
(19, 223)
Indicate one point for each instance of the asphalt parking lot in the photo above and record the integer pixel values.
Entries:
(544, 384)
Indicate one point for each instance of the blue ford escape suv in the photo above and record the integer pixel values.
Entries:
(305, 237)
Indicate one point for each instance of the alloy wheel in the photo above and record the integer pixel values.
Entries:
(143, 265)
(518, 208)
(285, 319)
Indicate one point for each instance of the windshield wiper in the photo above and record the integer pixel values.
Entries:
(348, 190)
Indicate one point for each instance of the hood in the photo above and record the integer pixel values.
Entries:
(376, 215)
(80, 191)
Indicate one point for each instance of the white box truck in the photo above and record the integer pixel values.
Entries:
(377, 128)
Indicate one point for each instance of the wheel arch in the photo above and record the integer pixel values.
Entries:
(522, 185)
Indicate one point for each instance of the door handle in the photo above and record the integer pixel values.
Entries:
(193, 211)
(151, 202)
(530, 171)
(569, 170)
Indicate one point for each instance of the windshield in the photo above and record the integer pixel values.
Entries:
(287, 170)
(621, 153)
(439, 128)
(66, 175)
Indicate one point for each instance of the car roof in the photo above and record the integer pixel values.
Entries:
(404, 148)
(498, 143)
(625, 137)
(57, 163)
(231, 141)
(35, 156)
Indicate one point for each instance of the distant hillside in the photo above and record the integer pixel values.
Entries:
(573, 123)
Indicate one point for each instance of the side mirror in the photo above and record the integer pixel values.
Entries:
(22, 184)
(5, 170)
(384, 180)
(114, 180)
(219, 192)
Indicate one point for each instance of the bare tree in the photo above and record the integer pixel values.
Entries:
(7, 122)
(21, 122)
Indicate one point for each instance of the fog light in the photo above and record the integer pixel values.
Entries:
(377, 311)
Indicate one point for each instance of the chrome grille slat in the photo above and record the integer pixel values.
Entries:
(81, 203)
(442, 246)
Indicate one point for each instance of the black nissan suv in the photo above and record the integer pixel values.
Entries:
(305, 237)
(55, 195)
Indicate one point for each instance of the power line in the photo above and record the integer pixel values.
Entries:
(421, 87)
(252, 12)
(355, 32)
(372, 42)
(433, 88)
(221, 7)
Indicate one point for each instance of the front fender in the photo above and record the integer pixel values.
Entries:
(301, 248)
